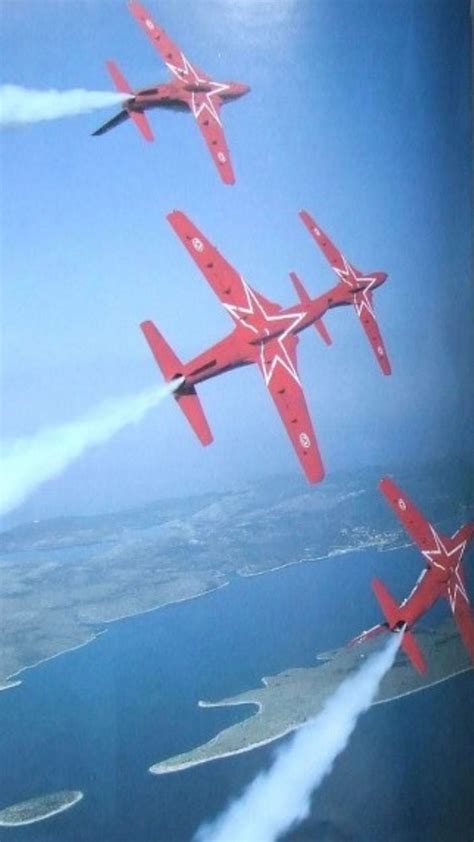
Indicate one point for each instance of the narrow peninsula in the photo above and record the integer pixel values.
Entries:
(287, 700)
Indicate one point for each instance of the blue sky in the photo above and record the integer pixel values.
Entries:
(359, 111)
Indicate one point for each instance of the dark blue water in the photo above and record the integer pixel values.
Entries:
(97, 718)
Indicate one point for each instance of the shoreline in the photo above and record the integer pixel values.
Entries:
(96, 635)
(12, 682)
(179, 767)
(54, 812)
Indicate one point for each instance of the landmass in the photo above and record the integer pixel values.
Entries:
(38, 809)
(287, 700)
(63, 580)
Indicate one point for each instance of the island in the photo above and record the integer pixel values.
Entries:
(37, 809)
(287, 700)
(64, 580)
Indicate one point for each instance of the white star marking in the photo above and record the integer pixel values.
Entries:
(199, 101)
(253, 307)
(455, 586)
(455, 583)
(349, 277)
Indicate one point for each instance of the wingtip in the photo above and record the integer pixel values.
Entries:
(316, 475)
(306, 217)
(174, 215)
(388, 487)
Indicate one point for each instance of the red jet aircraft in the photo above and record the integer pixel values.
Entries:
(191, 89)
(443, 576)
(266, 334)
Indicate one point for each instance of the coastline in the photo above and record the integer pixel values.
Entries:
(11, 681)
(78, 796)
(16, 683)
(161, 768)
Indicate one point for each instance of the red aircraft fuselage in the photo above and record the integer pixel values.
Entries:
(180, 95)
(246, 343)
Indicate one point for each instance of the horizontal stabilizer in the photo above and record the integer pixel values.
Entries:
(392, 614)
(118, 78)
(138, 117)
(305, 299)
(172, 368)
(191, 405)
(115, 121)
(168, 362)
(413, 652)
(387, 603)
(142, 124)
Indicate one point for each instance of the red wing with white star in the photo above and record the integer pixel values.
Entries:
(277, 362)
(245, 306)
(174, 59)
(206, 110)
(364, 307)
(418, 528)
(335, 258)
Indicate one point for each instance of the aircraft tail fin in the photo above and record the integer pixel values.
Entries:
(138, 117)
(118, 78)
(172, 368)
(395, 623)
(305, 299)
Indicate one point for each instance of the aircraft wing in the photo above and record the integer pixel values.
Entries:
(172, 56)
(364, 307)
(206, 110)
(245, 306)
(277, 362)
(462, 612)
(332, 254)
(418, 528)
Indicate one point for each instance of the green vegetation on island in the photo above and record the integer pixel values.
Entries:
(37, 809)
(288, 700)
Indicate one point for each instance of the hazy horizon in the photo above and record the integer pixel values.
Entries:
(373, 139)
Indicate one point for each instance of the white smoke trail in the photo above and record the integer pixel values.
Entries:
(27, 463)
(280, 797)
(23, 105)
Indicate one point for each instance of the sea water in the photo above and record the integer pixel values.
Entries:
(95, 719)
